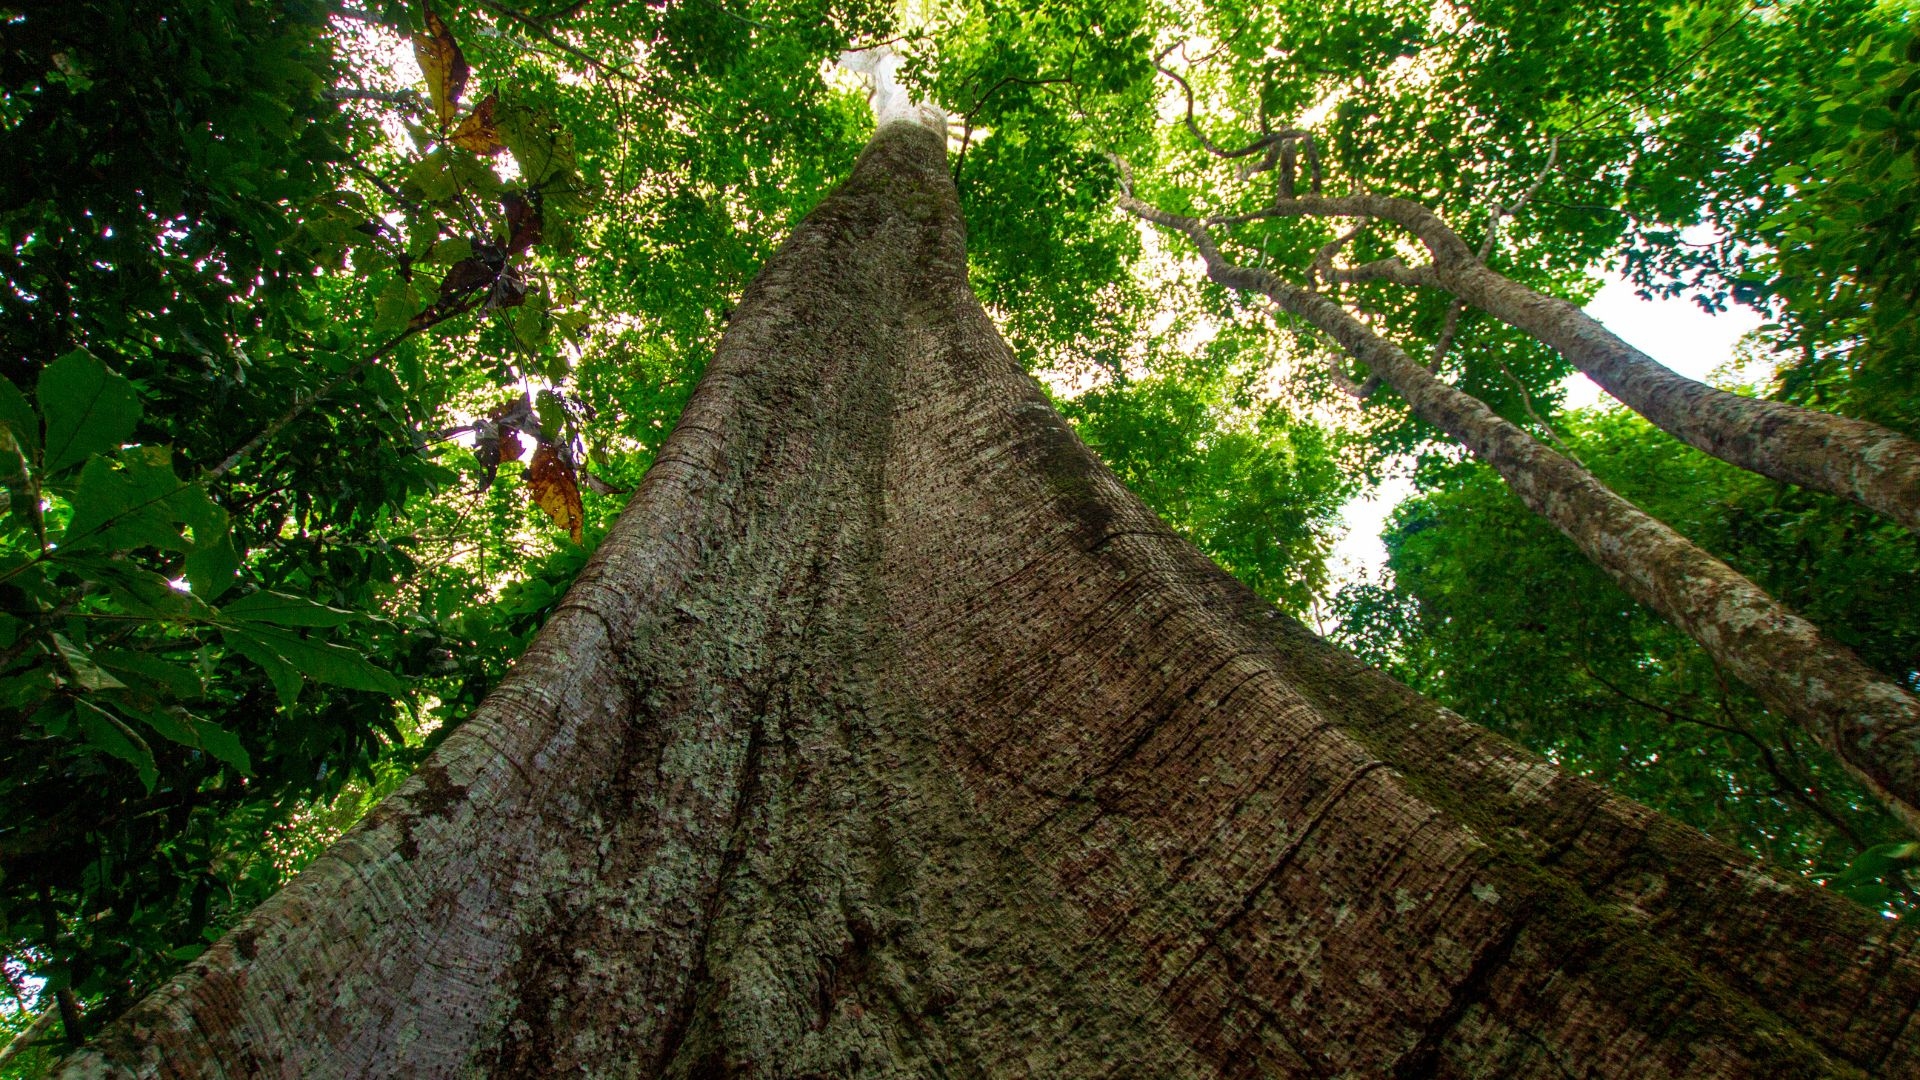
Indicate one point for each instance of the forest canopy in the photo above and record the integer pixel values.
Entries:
(335, 333)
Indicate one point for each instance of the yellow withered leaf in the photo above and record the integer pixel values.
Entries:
(444, 64)
(477, 132)
(556, 491)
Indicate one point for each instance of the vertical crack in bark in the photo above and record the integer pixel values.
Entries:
(1423, 1061)
(680, 1023)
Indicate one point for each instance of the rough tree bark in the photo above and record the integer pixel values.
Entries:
(1866, 720)
(888, 735)
(1854, 459)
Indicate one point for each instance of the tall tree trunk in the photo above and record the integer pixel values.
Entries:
(1854, 459)
(1866, 720)
(888, 735)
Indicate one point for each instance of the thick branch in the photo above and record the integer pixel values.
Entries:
(1392, 268)
(1866, 720)
(1875, 467)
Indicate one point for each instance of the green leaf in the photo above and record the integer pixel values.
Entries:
(1878, 860)
(552, 413)
(283, 610)
(111, 736)
(281, 672)
(172, 680)
(573, 323)
(88, 409)
(530, 323)
(211, 569)
(323, 662)
(395, 307)
(132, 499)
(15, 413)
(171, 724)
(13, 457)
(543, 150)
(140, 591)
(450, 251)
(85, 674)
(179, 726)
(223, 745)
(431, 176)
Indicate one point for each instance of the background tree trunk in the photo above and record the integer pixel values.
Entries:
(889, 735)
(1852, 458)
(1869, 722)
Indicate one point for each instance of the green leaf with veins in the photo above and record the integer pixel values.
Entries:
(280, 609)
(88, 409)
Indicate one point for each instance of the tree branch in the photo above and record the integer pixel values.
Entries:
(1864, 718)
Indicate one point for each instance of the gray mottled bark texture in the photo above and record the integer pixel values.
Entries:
(1871, 465)
(889, 736)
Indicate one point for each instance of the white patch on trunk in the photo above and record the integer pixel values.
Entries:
(889, 98)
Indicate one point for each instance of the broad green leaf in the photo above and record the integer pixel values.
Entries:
(111, 736)
(170, 724)
(132, 499)
(16, 414)
(434, 179)
(86, 674)
(543, 150)
(139, 591)
(88, 409)
(450, 251)
(211, 569)
(223, 745)
(282, 672)
(1879, 859)
(395, 307)
(173, 680)
(320, 661)
(552, 413)
(13, 457)
(283, 610)
(530, 323)
(180, 726)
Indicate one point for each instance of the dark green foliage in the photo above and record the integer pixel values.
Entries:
(1846, 278)
(211, 663)
(1490, 611)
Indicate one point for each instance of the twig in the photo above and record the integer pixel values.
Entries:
(1526, 402)
(547, 34)
(1788, 785)
(406, 99)
(1320, 270)
(300, 407)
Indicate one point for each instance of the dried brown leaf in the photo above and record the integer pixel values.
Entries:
(524, 226)
(466, 276)
(477, 132)
(486, 451)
